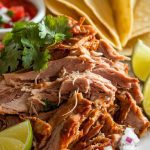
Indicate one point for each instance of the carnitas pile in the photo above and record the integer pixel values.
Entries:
(84, 100)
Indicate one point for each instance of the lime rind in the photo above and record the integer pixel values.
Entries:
(28, 143)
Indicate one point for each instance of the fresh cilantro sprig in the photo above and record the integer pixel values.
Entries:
(1, 20)
(26, 45)
(10, 13)
(54, 30)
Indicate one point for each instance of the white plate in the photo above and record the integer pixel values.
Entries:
(144, 142)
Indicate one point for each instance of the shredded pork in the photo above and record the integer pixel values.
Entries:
(84, 100)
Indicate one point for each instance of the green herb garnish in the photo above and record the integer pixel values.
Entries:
(49, 105)
(10, 13)
(1, 20)
(27, 44)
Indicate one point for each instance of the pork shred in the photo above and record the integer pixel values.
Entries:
(84, 100)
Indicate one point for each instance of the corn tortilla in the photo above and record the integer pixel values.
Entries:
(57, 8)
(141, 18)
(129, 47)
(103, 11)
(104, 33)
(123, 15)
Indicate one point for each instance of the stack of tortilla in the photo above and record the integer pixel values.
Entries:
(120, 22)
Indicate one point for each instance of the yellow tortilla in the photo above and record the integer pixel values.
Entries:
(123, 15)
(59, 9)
(141, 18)
(140, 32)
(103, 11)
(133, 3)
(104, 33)
(129, 47)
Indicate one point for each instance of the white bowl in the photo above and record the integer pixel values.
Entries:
(39, 4)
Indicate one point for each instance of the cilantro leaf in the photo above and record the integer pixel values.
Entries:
(9, 58)
(7, 38)
(59, 37)
(10, 13)
(54, 29)
(49, 105)
(27, 57)
(43, 30)
(27, 44)
(1, 20)
(41, 60)
(33, 57)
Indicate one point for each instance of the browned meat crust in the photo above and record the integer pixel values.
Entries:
(130, 114)
(84, 99)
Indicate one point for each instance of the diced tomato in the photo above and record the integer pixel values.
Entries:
(1, 5)
(7, 25)
(1, 46)
(30, 9)
(21, 10)
(18, 13)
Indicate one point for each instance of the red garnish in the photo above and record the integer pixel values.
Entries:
(7, 25)
(18, 10)
(30, 9)
(1, 46)
(18, 13)
(1, 5)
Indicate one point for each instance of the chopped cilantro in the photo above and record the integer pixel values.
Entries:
(10, 13)
(49, 105)
(54, 30)
(27, 44)
(9, 59)
(1, 20)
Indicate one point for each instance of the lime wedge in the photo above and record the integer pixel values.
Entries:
(7, 143)
(146, 101)
(21, 132)
(141, 60)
